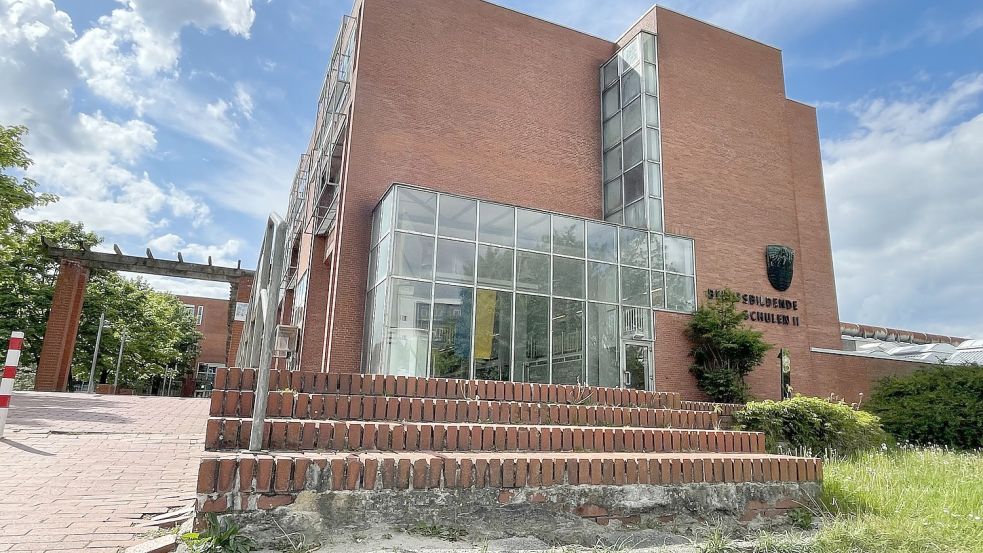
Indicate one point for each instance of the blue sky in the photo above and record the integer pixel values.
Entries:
(177, 125)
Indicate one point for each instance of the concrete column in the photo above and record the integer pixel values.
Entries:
(62, 328)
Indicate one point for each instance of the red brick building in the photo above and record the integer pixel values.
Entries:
(212, 319)
(571, 200)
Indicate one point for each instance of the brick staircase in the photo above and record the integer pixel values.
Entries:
(328, 432)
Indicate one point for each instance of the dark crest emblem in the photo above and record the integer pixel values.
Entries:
(779, 261)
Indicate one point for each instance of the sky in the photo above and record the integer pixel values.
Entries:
(177, 125)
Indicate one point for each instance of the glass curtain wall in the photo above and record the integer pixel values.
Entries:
(463, 288)
(632, 159)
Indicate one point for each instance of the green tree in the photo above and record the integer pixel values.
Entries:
(27, 279)
(16, 192)
(724, 348)
(160, 333)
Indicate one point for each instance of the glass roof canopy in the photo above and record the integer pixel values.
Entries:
(464, 288)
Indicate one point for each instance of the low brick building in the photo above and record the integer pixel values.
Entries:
(212, 320)
(490, 195)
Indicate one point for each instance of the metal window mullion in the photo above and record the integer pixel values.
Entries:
(474, 288)
(549, 312)
(515, 280)
(433, 287)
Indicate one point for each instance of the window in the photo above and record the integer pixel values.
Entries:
(532, 230)
(602, 242)
(603, 357)
(492, 335)
(413, 256)
(634, 286)
(379, 262)
(568, 277)
(531, 338)
(409, 328)
(532, 272)
(509, 301)
(450, 352)
(568, 236)
(680, 293)
(568, 341)
(634, 247)
(455, 261)
(416, 210)
(495, 266)
(457, 217)
(631, 118)
(602, 282)
(201, 315)
(497, 224)
(679, 255)
(633, 155)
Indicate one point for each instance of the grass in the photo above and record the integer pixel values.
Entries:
(904, 500)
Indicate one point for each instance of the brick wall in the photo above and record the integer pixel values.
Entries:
(214, 327)
(62, 328)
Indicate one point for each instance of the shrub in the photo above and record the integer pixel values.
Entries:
(812, 425)
(940, 405)
(724, 349)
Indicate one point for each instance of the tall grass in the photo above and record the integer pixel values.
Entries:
(904, 500)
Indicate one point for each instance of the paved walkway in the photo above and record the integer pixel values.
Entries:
(80, 472)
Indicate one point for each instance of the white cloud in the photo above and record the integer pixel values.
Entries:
(905, 207)
(131, 59)
(168, 245)
(184, 286)
(243, 101)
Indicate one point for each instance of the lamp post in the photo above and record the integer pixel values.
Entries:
(119, 360)
(95, 354)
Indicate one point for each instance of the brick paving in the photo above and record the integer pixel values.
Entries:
(81, 471)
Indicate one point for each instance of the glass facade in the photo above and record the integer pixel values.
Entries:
(632, 159)
(463, 288)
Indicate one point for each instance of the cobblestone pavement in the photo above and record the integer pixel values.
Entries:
(81, 471)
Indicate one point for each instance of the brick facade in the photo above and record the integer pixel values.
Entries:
(214, 327)
(478, 100)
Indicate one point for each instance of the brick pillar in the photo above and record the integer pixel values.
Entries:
(62, 327)
(239, 291)
(316, 309)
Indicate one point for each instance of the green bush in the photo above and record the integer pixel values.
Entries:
(940, 405)
(812, 426)
(724, 348)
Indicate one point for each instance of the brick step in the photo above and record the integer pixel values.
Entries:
(247, 481)
(350, 407)
(236, 379)
(293, 434)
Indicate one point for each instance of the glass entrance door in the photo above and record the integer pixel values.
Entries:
(636, 365)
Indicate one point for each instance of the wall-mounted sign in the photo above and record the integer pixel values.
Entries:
(241, 309)
(778, 262)
(766, 302)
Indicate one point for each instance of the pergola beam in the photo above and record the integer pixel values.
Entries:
(149, 265)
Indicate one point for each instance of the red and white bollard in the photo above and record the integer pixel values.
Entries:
(9, 372)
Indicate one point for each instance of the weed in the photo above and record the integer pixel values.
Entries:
(218, 537)
(715, 542)
(801, 518)
(438, 531)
